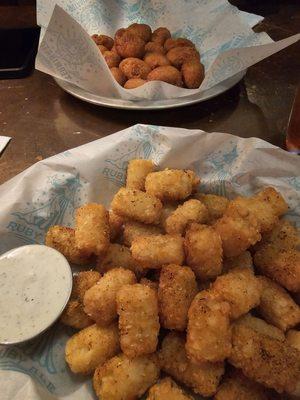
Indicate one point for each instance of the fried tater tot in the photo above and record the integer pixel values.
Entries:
(75, 316)
(136, 173)
(168, 209)
(160, 35)
(100, 300)
(283, 235)
(281, 265)
(203, 378)
(134, 229)
(264, 359)
(293, 339)
(203, 249)
(62, 239)
(208, 331)
(276, 306)
(262, 327)
(137, 307)
(216, 205)
(190, 211)
(240, 288)
(155, 60)
(134, 83)
(157, 250)
(117, 256)
(148, 282)
(177, 288)
(82, 282)
(122, 378)
(115, 225)
(92, 229)
(193, 73)
(118, 75)
(142, 30)
(91, 347)
(137, 205)
(166, 389)
(274, 199)
(243, 260)
(166, 73)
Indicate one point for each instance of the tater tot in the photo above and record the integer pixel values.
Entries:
(122, 378)
(115, 225)
(148, 282)
(276, 306)
(75, 316)
(170, 184)
(156, 250)
(100, 300)
(243, 260)
(133, 229)
(208, 332)
(136, 173)
(283, 235)
(203, 378)
(92, 229)
(240, 288)
(274, 199)
(293, 339)
(91, 347)
(190, 211)
(137, 205)
(117, 256)
(166, 389)
(167, 210)
(138, 319)
(262, 327)
(203, 248)
(216, 205)
(82, 282)
(177, 288)
(62, 239)
(281, 265)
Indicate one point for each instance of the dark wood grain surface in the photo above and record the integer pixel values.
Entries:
(43, 120)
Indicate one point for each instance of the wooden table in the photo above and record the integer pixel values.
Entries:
(43, 120)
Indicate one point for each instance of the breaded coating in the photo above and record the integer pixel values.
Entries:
(274, 200)
(100, 300)
(181, 55)
(154, 59)
(122, 378)
(293, 339)
(276, 305)
(137, 307)
(62, 239)
(208, 332)
(148, 282)
(91, 347)
(156, 250)
(283, 235)
(265, 360)
(171, 184)
(168, 209)
(243, 260)
(216, 205)
(118, 75)
(117, 256)
(74, 315)
(136, 173)
(133, 229)
(190, 211)
(177, 288)
(240, 288)
(203, 378)
(142, 30)
(134, 83)
(134, 68)
(115, 225)
(82, 282)
(203, 248)
(166, 389)
(127, 44)
(160, 35)
(262, 327)
(137, 205)
(281, 265)
(92, 229)
(166, 73)
(177, 42)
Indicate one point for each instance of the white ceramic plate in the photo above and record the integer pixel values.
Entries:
(149, 104)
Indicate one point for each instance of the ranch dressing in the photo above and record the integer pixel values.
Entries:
(35, 285)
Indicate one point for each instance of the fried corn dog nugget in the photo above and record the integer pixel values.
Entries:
(62, 239)
(157, 250)
(155, 60)
(137, 205)
(138, 319)
(153, 47)
(276, 305)
(203, 378)
(166, 73)
(142, 30)
(100, 300)
(216, 205)
(283, 235)
(122, 378)
(92, 229)
(177, 288)
(82, 282)
(208, 331)
(75, 316)
(293, 339)
(190, 211)
(264, 359)
(136, 173)
(203, 249)
(134, 229)
(171, 184)
(193, 73)
(160, 35)
(240, 288)
(243, 260)
(134, 83)
(134, 68)
(262, 327)
(166, 389)
(170, 43)
(274, 199)
(91, 347)
(117, 256)
(115, 225)
(281, 265)
(118, 75)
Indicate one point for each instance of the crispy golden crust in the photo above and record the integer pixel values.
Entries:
(283, 235)
(154, 47)
(180, 55)
(118, 75)
(179, 42)
(156, 250)
(128, 44)
(102, 48)
(148, 282)
(160, 35)
(124, 379)
(216, 205)
(276, 306)
(103, 40)
(274, 200)
(100, 300)
(166, 73)
(293, 339)
(134, 68)
(177, 288)
(203, 248)
(166, 389)
(142, 30)
(154, 59)
(208, 332)
(203, 378)
(92, 229)
(137, 171)
(74, 315)
(118, 256)
(138, 320)
(134, 83)
(115, 225)
(82, 282)
(243, 260)
(91, 347)
(193, 73)
(112, 59)
(134, 229)
(260, 326)
(167, 210)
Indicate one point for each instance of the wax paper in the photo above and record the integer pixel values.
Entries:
(221, 32)
(48, 193)
(3, 142)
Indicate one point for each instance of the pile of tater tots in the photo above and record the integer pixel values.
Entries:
(137, 55)
(183, 292)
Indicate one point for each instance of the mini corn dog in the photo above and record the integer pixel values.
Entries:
(136, 173)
